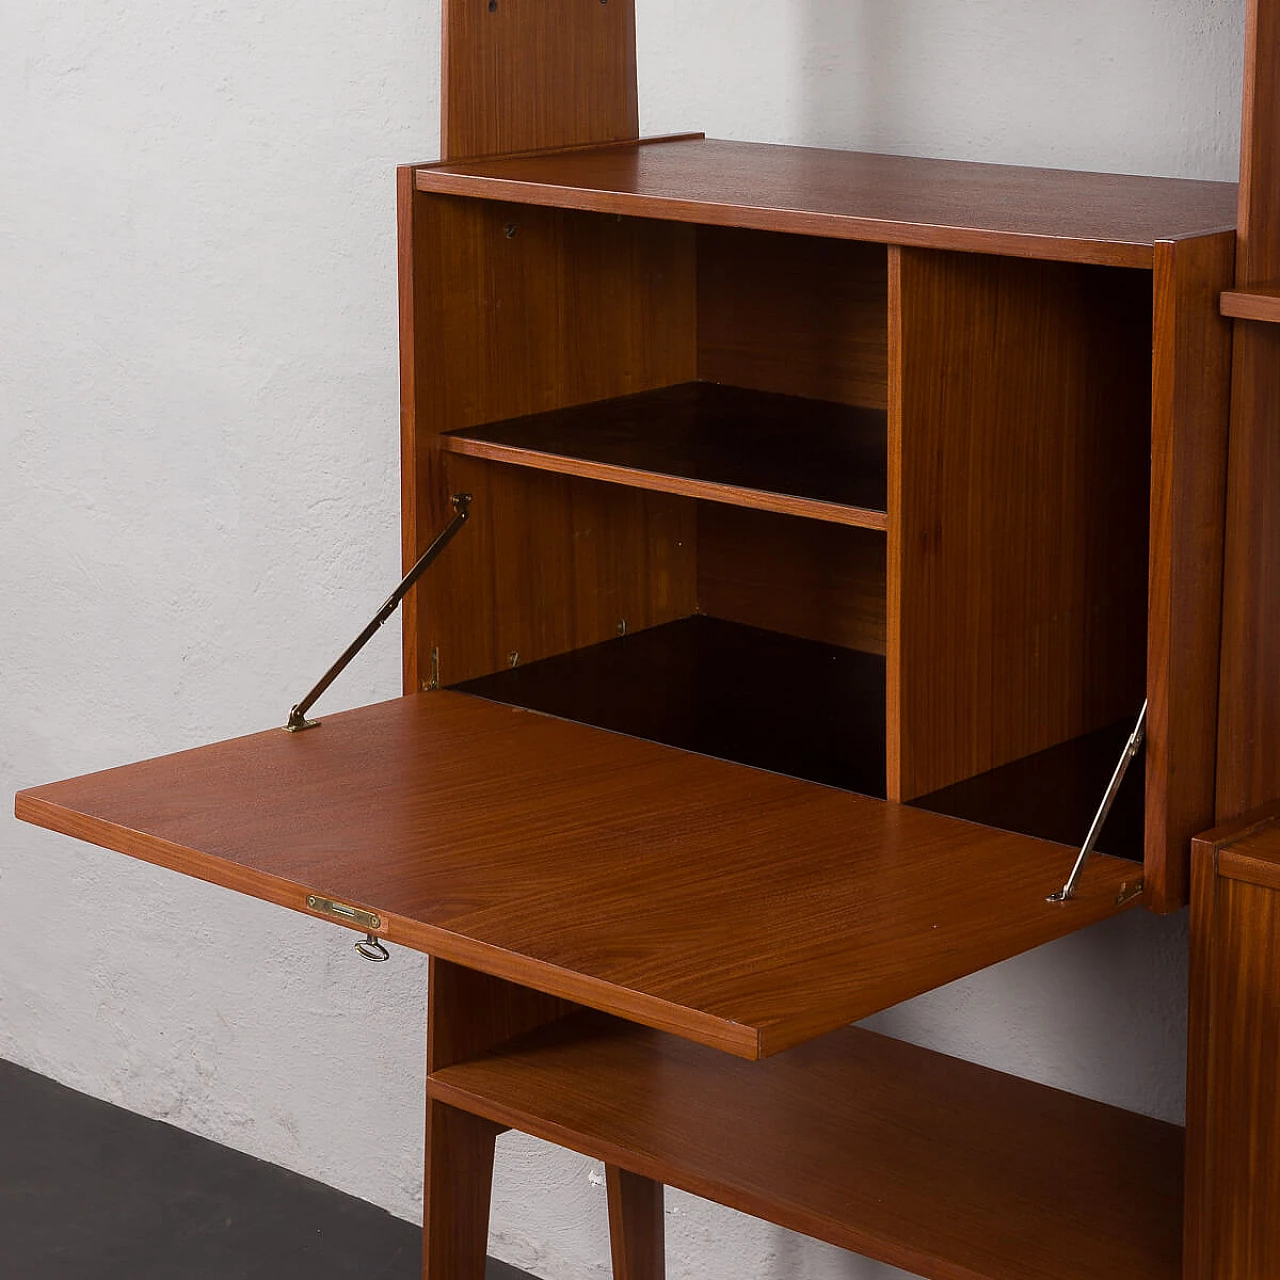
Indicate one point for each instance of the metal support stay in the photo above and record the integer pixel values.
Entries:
(298, 715)
(1068, 890)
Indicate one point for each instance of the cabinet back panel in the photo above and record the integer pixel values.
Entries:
(793, 314)
(508, 310)
(1019, 460)
(816, 581)
(552, 563)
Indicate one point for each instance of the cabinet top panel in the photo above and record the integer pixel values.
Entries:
(740, 908)
(1058, 214)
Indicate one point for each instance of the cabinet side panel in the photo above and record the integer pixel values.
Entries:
(530, 75)
(1241, 1182)
(412, 463)
(1019, 437)
(518, 310)
(794, 315)
(1191, 376)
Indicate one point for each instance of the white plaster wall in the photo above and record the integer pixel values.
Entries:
(198, 496)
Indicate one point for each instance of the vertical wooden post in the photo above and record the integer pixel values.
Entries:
(1249, 699)
(468, 1013)
(636, 1230)
(457, 1189)
(534, 75)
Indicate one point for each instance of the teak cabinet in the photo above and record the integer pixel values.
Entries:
(832, 518)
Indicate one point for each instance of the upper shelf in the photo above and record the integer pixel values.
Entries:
(747, 448)
(740, 908)
(1111, 219)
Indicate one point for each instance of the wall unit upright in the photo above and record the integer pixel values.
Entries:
(833, 520)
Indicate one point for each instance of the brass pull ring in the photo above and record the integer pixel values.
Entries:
(372, 949)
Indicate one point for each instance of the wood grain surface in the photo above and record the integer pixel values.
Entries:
(510, 311)
(794, 314)
(1257, 302)
(1249, 702)
(737, 907)
(747, 448)
(803, 577)
(637, 1232)
(524, 75)
(941, 204)
(1019, 457)
(1190, 420)
(947, 1169)
(457, 1190)
(1233, 1109)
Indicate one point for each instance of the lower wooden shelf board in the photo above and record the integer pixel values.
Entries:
(923, 1161)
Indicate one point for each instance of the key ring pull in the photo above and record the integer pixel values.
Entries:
(372, 949)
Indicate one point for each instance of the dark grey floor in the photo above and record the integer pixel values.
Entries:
(91, 1192)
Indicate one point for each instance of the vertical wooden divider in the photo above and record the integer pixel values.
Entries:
(1019, 405)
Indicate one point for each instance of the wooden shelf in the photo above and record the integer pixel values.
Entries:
(1043, 213)
(760, 698)
(747, 448)
(740, 908)
(1258, 302)
(922, 1161)
(819, 715)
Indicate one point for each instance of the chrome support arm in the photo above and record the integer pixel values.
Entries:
(298, 715)
(1068, 890)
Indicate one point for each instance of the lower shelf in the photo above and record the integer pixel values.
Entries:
(923, 1161)
(812, 711)
(809, 710)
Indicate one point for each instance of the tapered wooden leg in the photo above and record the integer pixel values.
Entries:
(635, 1226)
(458, 1186)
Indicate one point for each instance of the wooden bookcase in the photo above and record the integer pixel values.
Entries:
(832, 518)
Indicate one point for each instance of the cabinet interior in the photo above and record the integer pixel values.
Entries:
(876, 517)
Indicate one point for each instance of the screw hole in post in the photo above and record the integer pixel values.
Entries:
(493, 6)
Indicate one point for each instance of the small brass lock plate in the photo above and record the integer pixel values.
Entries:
(344, 912)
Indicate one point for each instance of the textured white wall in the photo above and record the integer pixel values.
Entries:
(198, 501)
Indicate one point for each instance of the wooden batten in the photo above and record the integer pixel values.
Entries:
(533, 75)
